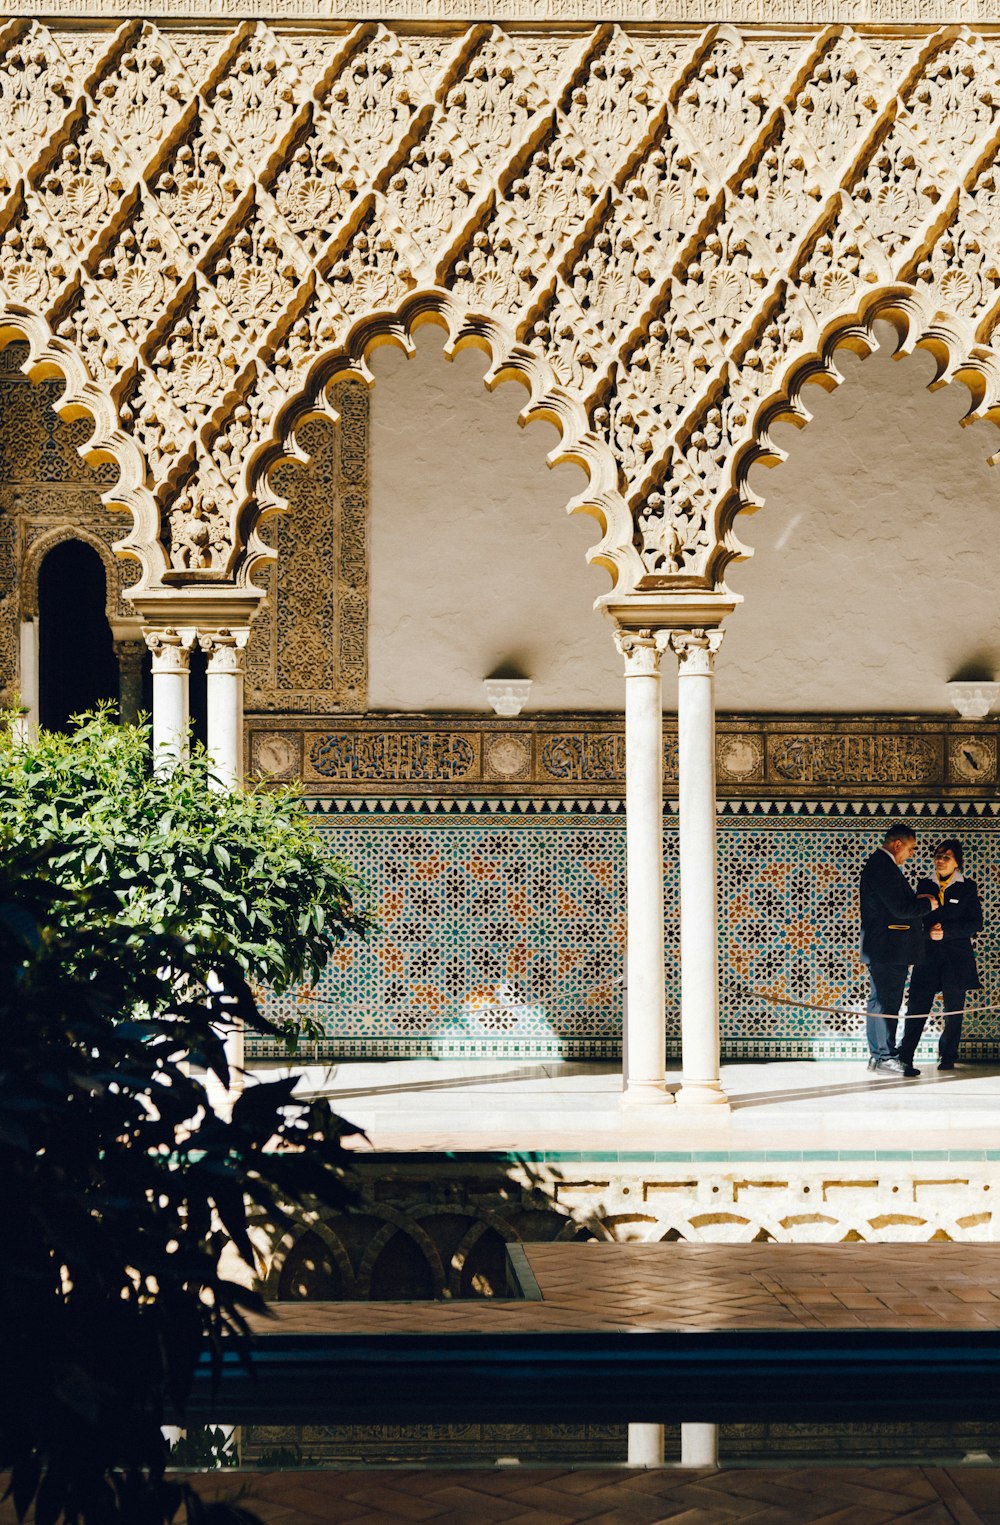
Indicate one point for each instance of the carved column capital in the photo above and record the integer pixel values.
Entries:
(171, 648)
(696, 650)
(642, 650)
(223, 649)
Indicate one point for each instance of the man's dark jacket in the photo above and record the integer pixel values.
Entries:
(892, 918)
(961, 917)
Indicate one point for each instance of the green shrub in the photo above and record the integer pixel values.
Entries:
(244, 875)
(120, 1187)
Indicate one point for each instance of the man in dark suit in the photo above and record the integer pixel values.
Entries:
(949, 963)
(892, 938)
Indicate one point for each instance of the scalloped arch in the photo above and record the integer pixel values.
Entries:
(509, 361)
(49, 356)
(920, 324)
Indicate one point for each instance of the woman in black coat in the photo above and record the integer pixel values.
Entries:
(949, 963)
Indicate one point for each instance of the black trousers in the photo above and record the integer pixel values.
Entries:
(927, 981)
(884, 1000)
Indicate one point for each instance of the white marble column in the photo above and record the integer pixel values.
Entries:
(224, 681)
(645, 1445)
(27, 725)
(696, 651)
(644, 1046)
(699, 1445)
(171, 657)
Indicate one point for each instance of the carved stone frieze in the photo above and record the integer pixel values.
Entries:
(584, 755)
(660, 219)
(705, 12)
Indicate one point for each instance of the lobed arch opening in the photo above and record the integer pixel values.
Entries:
(507, 361)
(918, 326)
(880, 526)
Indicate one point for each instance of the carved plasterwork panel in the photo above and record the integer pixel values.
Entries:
(663, 230)
(584, 756)
(308, 646)
(48, 494)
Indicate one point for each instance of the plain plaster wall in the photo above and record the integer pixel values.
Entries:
(474, 563)
(875, 576)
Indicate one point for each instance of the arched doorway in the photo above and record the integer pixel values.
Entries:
(77, 664)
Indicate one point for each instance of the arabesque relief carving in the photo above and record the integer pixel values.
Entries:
(308, 650)
(584, 756)
(663, 232)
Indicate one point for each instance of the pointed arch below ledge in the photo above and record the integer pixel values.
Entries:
(920, 324)
(508, 361)
(48, 357)
(40, 548)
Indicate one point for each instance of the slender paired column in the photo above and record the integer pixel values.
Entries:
(699, 1445)
(27, 726)
(696, 651)
(644, 1061)
(130, 655)
(171, 658)
(645, 1445)
(224, 678)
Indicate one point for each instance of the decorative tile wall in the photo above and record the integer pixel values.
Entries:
(503, 927)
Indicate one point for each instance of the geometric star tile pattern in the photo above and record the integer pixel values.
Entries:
(504, 937)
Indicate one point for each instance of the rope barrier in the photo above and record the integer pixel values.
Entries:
(850, 1011)
(743, 990)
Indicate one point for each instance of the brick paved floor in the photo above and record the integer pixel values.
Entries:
(620, 1496)
(663, 1287)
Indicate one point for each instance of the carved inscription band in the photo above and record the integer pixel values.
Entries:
(586, 755)
(740, 12)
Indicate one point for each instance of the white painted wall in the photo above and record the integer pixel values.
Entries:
(474, 562)
(875, 579)
(876, 574)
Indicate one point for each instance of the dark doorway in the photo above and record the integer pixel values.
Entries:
(76, 660)
(198, 694)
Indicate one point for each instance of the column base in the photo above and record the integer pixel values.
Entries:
(646, 1093)
(703, 1093)
(645, 1445)
(699, 1445)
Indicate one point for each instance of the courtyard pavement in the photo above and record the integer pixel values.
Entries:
(784, 1108)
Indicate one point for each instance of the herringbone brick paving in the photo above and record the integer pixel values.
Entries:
(620, 1496)
(683, 1286)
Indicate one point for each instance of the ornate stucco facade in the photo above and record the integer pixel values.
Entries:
(663, 227)
(663, 231)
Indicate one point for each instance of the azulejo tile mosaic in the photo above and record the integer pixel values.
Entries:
(503, 928)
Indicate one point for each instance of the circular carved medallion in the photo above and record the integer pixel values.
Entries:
(275, 755)
(740, 757)
(973, 759)
(508, 756)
